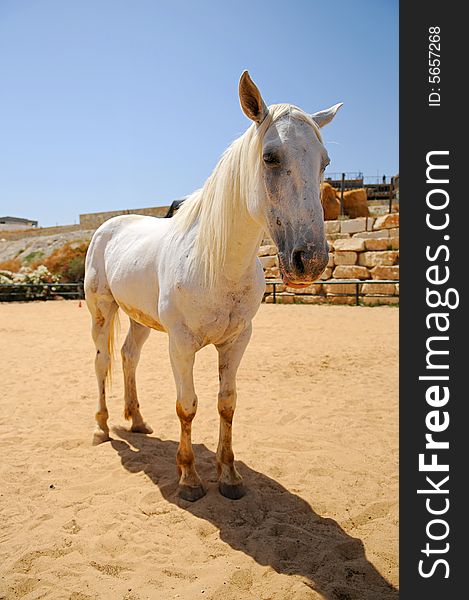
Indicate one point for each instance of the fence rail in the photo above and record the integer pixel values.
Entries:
(377, 188)
(24, 292)
(357, 293)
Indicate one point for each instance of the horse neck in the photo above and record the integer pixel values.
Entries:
(242, 247)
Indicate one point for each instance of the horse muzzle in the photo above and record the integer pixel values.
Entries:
(303, 265)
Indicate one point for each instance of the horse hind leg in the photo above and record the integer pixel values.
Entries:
(136, 337)
(103, 313)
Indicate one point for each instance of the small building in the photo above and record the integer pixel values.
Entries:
(14, 223)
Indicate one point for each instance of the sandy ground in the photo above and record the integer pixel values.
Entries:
(315, 436)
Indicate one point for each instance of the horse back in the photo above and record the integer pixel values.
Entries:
(122, 263)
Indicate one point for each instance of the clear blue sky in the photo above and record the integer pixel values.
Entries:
(113, 104)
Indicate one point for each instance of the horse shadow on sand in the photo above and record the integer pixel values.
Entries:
(270, 524)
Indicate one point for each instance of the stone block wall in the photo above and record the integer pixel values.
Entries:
(94, 220)
(360, 250)
(19, 234)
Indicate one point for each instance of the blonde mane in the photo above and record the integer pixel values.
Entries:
(222, 200)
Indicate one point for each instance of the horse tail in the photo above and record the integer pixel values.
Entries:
(114, 328)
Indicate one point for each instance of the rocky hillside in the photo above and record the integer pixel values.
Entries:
(29, 249)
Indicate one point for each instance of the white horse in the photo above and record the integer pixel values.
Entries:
(197, 276)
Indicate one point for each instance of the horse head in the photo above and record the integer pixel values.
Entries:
(288, 199)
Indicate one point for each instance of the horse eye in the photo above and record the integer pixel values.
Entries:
(271, 159)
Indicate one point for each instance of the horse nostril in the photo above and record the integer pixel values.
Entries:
(297, 259)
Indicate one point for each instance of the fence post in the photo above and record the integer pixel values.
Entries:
(391, 193)
(342, 185)
(356, 294)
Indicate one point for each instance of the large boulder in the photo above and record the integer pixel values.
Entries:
(329, 201)
(356, 203)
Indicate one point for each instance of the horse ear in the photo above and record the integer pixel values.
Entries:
(251, 100)
(323, 117)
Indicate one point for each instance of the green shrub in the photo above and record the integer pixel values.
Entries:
(33, 256)
(67, 262)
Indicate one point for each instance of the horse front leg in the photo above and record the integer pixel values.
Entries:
(230, 482)
(182, 355)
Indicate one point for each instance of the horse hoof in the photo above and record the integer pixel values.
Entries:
(99, 437)
(233, 492)
(191, 492)
(142, 428)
